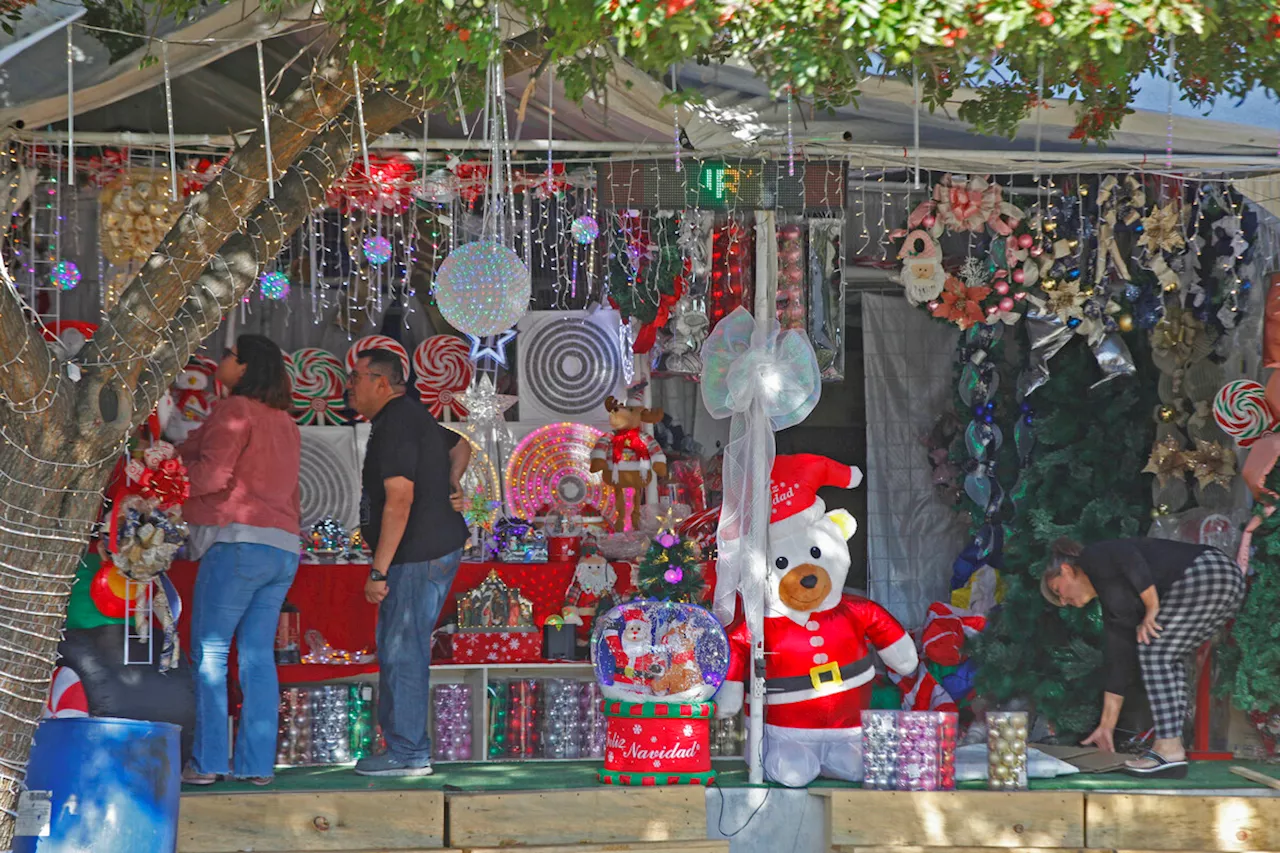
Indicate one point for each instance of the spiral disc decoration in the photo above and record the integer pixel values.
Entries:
(377, 342)
(552, 466)
(319, 383)
(328, 479)
(570, 366)
(443, 367)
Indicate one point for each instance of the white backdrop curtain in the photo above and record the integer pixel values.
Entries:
(912, 538)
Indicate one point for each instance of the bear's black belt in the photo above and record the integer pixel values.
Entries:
(818, 677)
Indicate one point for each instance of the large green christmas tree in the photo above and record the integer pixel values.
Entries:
(1251, 661)
(1083, 481)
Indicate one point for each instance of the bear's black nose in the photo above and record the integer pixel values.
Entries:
(809, 581)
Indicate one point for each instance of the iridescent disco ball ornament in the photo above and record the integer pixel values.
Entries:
(585, 229)
(482, 288)
(377, 250)
(273, 285)
(65, 275)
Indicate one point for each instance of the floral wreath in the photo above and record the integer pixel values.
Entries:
(987, 289)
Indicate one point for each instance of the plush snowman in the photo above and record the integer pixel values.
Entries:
(817, 638)
(190, 399)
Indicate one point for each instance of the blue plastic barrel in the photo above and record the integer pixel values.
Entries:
(101, 785)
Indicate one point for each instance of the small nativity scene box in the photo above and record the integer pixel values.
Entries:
(495, 625)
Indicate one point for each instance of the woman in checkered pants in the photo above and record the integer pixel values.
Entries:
(1161, 600)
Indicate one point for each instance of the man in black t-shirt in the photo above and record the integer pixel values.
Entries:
(409, 516)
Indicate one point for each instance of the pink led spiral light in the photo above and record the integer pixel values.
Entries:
(551, 466)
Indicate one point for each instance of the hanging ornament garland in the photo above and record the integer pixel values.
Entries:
(990, 286)
(319, 386)
(444, 370)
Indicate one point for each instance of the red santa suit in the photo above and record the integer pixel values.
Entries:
(818, 665)
(635, 660)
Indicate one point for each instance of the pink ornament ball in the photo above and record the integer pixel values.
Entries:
(1002, 287)
(1037, 251)
(1025, 241)
(792, 276)
(790, 232)
(1006, 304)
(1020, 295)
(673, 575)
(795, 311)
(793, 294)
(667, 540)
(929, 221)
(933, 306)
(1019, 276)
(991, 310)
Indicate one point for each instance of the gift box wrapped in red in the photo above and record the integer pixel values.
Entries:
(497, 646)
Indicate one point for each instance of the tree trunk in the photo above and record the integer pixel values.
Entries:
(63, 427)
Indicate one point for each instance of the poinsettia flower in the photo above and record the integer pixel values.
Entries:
(960, 304)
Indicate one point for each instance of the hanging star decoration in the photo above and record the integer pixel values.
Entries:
(496, 351)
(1167, 462)
(1213, 464)
(485, 410)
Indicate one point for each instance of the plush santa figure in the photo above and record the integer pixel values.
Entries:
(635, 660)
(593, 581)
(817, 639)
(922, 276)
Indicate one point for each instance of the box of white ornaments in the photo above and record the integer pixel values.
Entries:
(909, 750)
(1007, 750)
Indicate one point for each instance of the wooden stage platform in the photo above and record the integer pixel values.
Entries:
(350, 814)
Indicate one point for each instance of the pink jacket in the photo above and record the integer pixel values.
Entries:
(243, 465)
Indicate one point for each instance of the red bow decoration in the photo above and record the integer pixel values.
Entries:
(168, 485)
(473, 181)
(105, 169)
(199, 173)
(386, 188)
(628, 439)
(648, 335)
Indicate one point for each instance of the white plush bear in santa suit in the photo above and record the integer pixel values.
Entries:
(817, 639)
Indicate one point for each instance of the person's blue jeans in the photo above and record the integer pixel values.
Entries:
(407, 616)
(239, 592)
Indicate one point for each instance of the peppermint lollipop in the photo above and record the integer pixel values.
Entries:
(443, 366)
(1241, 409)
(318, 386)
(377, 342)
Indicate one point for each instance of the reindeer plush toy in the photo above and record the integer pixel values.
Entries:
(629, 458)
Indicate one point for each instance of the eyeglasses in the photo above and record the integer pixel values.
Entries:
(228, 352)
(355, 374)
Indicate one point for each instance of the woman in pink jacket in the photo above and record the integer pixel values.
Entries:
(244, 518)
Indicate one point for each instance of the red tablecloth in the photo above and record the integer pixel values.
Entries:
(330, 599)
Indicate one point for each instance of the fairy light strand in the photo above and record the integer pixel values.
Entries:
(266, 118)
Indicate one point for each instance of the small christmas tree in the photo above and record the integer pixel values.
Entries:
(672, 568)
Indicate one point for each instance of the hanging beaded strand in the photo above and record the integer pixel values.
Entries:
(675, 121)
(1169, 74)
(1039, 107)
(791, 143)
(915, 124)
(364, 135)
(266, 123)
(71, 112)
(168, 110)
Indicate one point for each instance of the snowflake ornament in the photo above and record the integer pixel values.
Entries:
(687, 731)
(637, 729)
(973, 272)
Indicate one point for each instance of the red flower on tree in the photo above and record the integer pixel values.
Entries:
(960, 304)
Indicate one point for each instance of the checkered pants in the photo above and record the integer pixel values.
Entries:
(1198, 605)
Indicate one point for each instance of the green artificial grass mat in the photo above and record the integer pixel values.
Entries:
(498, 777)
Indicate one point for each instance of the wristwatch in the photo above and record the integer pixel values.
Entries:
(375, 575)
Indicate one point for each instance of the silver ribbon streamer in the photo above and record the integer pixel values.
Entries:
(1047, 334)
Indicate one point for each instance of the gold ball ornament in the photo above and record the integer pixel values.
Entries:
(1048, 284)
(1171, 287)
(1166, 414)
(1125, 322)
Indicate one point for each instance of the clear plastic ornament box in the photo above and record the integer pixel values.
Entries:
(909, 750)
(1007, 750)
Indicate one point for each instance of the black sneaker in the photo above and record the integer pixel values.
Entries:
(387, 764)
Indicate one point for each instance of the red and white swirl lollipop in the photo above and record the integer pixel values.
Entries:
(377, 342)
(319, 383)
(1241, 409)
(443, 366)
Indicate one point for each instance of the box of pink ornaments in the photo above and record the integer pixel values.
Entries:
(909, 750)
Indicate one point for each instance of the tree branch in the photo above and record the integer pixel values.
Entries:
(135, 326)
(235, 268)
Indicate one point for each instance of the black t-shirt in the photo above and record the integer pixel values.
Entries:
(1120, 570)
(405, 441)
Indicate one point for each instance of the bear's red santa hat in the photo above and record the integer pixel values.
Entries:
(793, 488)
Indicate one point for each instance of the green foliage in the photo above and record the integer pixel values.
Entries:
(120, 16)
(1083, 482)
(1250, 663)
(1091, 51)
(639, 296)
(681, 558)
